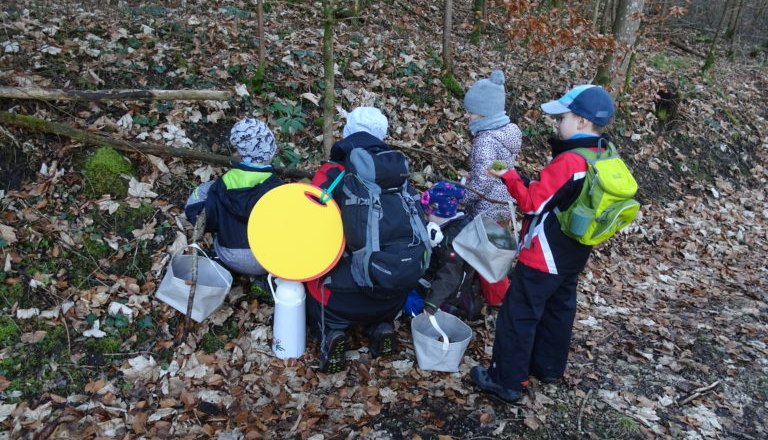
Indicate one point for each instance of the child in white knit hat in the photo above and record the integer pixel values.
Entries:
(228, 200)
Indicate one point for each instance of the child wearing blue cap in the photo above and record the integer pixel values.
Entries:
(534, 326)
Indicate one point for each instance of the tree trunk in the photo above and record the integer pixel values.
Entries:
(447, 35)
(625, 26)
(710, 62)
(328, 64)
(479, 13)
(596, 13)
(114, 95)
(38, 125)
(733, 28)
(262, 46)
(734, 16)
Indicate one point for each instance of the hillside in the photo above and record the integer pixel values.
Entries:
(670, 339)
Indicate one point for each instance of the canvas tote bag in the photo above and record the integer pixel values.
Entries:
(487, 246)
(213, 284)
(439, 341)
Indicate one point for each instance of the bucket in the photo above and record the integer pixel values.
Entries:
(439, 341)
(213, 284)
(289, 339)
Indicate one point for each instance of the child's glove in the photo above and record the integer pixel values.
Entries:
(414, 304)
(435, 234)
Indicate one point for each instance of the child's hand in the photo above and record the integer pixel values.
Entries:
(497, 169)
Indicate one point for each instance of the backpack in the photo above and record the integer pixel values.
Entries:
(605, 204)
(386, 237)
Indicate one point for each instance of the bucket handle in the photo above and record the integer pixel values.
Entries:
(194, 245)
(272, 289)
(446, 342)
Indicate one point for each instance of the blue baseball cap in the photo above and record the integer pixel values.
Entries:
(588, 101)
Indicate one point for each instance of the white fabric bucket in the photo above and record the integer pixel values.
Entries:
(213, 284)
(439, 341)
(487, 247)
(289, 336)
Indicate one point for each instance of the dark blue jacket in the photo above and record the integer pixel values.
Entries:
(230, 201)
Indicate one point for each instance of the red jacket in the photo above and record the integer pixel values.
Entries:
(544, 246)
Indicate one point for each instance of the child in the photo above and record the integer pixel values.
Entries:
(228, 200)
(451, 278)
(495, 139)
(331, 313)
(534, 326)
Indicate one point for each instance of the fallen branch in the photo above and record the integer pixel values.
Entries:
(581, 410)
(687, 49)
(114, 95)
(699, 392)
(41, 125)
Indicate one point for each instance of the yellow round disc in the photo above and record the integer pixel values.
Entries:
(294, 236)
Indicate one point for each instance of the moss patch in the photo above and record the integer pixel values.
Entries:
(102, 173)
(453, 86)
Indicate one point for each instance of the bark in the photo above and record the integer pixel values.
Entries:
(447, 37)
(38, 125)
(328, 64)
(115, 95)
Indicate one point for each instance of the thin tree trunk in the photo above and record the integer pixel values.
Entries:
(734, 28)
(38, 125)
(447, 36)
(596, 14)
(615, 63)
(114, 95)
(328, 63)
(710, 62)
(479, 15)
(262, 41)
(734, 16)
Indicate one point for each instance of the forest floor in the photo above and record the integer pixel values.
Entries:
(670, 340)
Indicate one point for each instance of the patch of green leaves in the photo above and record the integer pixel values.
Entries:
(291, 117)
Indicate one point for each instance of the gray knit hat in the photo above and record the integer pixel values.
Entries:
(368, 119)
(253, 140)
(486, 97)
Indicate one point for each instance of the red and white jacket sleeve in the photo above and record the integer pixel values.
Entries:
(533, 197)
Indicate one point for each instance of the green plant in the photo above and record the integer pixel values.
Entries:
(103, 172)
(211, 343)
(453, 86)
(291, 117)
(9, 332)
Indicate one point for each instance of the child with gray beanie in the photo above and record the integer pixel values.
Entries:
(495, 138)
(228, 200)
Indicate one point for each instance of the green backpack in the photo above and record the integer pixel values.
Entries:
(605, 204)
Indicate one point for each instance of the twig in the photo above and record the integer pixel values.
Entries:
(581, 410)
(699, 392)
(197, 233)
(66, 327)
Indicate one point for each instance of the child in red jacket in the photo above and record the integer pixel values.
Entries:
(534, 326)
